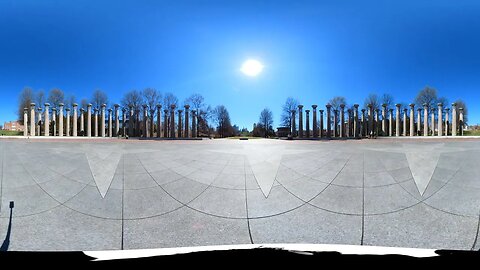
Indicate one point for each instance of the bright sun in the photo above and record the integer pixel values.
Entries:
(251, 67)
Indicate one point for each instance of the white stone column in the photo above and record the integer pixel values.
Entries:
(67, 132)
(165, 123)
(419, 121)
(89, 120)
(82, 121)
(172, 121)
(425, 119)
(194, 124)
(432, 122)
(397, 120)
(460, 118)
(32, 119)
(25, 122)
(440, 119)
(405, 122)
(329, 121)
(117, 120)
(75, 118)
(390, 123)
(300, 121)
(39, 121)
(179, 127)
(342, 120)
(130, 122)
(159, 120)
(314, 122)
(102, 124)
(124, 122)
(320, 133)
(454, 119)
(151, 122)
(110, 123)
(412, 119)
(363, 125)
(60, 119)
(54, 121)
(95, 128)
(185, 132)
(307, 123)
(145, 121)
(335, 123)
(384, 119)
(355, 121)
(447, 123)
(376, 123)
(47, 119)
(293, 124)
(370, 120)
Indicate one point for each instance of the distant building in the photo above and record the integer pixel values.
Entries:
(13, 126)
(283, 131)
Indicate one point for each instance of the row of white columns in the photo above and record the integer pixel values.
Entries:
(370, 124)
(183, 130)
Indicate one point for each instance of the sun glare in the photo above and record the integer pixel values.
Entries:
(252, 67)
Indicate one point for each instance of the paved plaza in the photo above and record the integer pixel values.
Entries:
(110, 194)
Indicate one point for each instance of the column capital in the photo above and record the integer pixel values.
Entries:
(419, 109)
(173, 106)
(116, 105)
(314, 107)
(425, 105)
(144, 106)
(54, 109)
(39, 109)
(300, 107)
(103, 105)
(293, 111)
(454, 104)
(356, 106)
(384, 105)
(32, 104)
(46, 104)
(89, 105)
(159, 106)
(321, 111)
(440, 105)
(363, 110)
(307, 111)
(61, 104)
(75, 105)
(82, 109)
(109, 110)
(67, 109)
(391, 110)
(25, 110)
(342, 106)
(370, 106)
(179, 111)
(187, 107)
(194, 112)
(447, 109)
(130, 106)
(398, 105)
(165, 111)
(95, 110)
(411, 105)
(460, 109)
(405, 110)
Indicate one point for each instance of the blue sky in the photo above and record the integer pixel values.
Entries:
(312, 50)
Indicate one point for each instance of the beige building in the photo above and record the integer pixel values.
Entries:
(13, 126)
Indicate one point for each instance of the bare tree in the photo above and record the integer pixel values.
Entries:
(266, 121)
(372, 99)
(132, 98)
(426, 95)
(71, 99)
(443, 101)
(222, 118)
(196, 101)
(40, 97)
(55, 97)
(286, 118)
(463, 105)
(337, 101)
(98, 98)
(84, 103)
(24, 99)
(388, 100)
(169, 99)
(204, 112)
